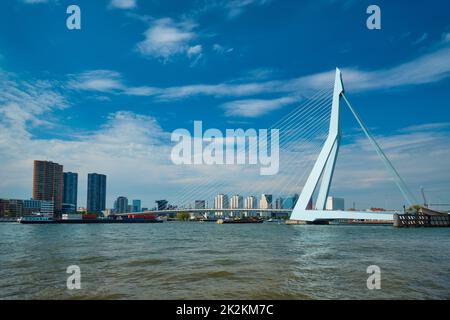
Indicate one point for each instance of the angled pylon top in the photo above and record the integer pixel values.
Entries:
(335, 108)
(338, 84)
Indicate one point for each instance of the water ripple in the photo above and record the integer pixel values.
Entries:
(209, 261)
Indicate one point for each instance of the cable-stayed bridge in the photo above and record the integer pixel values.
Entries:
(310, 129)
(319, 180)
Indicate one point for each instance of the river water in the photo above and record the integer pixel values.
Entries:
(188, 260)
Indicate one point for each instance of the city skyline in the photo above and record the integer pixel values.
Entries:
(44, 195)
(116, 115)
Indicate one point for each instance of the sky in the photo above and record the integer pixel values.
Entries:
(107, 97)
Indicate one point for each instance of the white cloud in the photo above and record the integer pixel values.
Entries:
(231, 9)
(194, 51)
(218, 90)
(24, 101)
(221, 49)
(258, 74)
(446, 37)
(252, 108)
(166, 38)
(427, 126)
(107, 81)
(35, 1)
(195, 54)
(97, 80)
(422, 38)
(235, 8)
(141, 91)
(123, 4)
(428, 68)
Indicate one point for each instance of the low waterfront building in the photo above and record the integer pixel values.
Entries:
(71, 216)
(16, 207)
(3, 207)
(19, 207)
(11, 207)
(31, 206)
(107, 212)
(47, 208)
(68, 208)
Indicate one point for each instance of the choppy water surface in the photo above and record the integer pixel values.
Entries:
(209, 261)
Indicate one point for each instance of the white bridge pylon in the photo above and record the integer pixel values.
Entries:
(324, 168)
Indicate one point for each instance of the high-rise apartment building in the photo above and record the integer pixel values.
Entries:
(237, 202)
(96, 193)
(266, 201)
(250, 203)
(137, 205)
(279, 203)
(48, 183)
(220, 202)
(121, 205)
(70, 190)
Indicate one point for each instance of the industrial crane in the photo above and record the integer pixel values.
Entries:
(426, 204)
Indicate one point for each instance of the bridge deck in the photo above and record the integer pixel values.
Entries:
(306, 215)
(208, 210)
(314, 215)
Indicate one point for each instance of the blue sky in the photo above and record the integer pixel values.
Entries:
(105, 98)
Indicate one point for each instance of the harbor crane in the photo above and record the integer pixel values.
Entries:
(425, 201)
